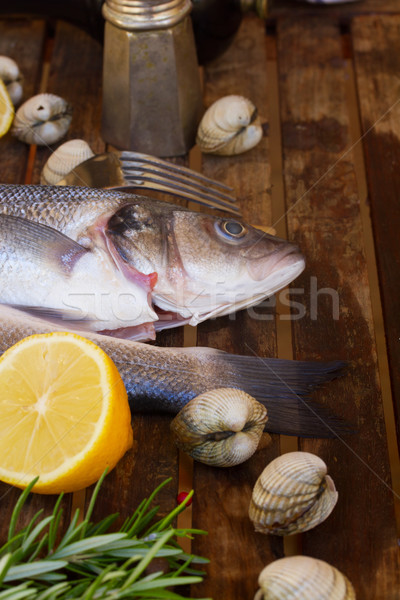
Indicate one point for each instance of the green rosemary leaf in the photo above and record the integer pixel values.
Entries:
(199, 560)
(103, 525)
(17, 508)
(99, 542)
(30, 570)
(185, 532)
(14, 542)
(54, 525)
(36, 551)
(5, 564)
(89, 563)
(140, 552)
(72, 531)
(176, 566)
(142, 522)
(166, 521)
(28, 541)
(148, 558)
(137, 523)
(123, 542)
(97, 583)
(92, 502)
(78, 590)
(50, 578)
(52, 593)
(162, 595)
(18, 592)
(162, 582)
(26, 531)
(183, 567)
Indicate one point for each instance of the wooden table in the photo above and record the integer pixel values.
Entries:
(327, 175)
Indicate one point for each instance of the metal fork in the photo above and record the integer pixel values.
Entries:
(122, 170)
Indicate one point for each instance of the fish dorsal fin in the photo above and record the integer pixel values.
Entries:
(43, 243)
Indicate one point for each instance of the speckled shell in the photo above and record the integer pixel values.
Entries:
(303, 578)
(220, 428)
(292, 494)
(64, 159)
(43, 119)
(229, 126)
(12, 79)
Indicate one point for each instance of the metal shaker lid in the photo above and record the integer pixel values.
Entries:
(140, 14)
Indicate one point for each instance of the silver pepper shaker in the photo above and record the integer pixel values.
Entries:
(152, 99)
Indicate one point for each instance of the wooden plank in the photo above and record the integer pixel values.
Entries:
(75, 73)
(222, 496)
(376, 62)
(323, 214)
(23, 42)
(346, 10)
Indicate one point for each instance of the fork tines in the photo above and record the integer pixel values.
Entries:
(148, 171)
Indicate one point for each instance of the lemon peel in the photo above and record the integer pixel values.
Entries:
(6, 110)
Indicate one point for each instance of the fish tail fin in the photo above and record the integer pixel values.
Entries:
(284, 387)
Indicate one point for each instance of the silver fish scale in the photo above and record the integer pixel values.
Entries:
(65, 208)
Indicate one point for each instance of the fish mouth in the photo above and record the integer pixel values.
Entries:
(286, 259)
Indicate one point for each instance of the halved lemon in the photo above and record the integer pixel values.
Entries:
(64, 413)
(6, 110)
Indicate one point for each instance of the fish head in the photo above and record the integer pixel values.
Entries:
(206, 265)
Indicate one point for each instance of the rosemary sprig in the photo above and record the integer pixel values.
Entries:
(89, 561)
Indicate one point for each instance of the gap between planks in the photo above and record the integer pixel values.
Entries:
(48, 45)
(291, 544)
(185, 466)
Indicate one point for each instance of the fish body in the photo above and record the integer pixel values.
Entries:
(163, 380)
(185, 266)
(42, 267)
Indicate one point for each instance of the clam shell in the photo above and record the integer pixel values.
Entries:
(65, 158)
(292, 494)
(229, 126)
(12, 79)
(220, 428)
(303, 578)
(43, 119)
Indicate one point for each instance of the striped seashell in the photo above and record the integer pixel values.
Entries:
(303, 578)
(43, 119)
(64, 159)
(229, 126)
(292, 494)
(11, 77)
(221, 427)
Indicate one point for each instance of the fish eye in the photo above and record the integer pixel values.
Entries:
(232, 229)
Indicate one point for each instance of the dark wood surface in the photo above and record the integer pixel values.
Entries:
(324, 217)
(342, 10)
(376, 66)
(300, 77)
